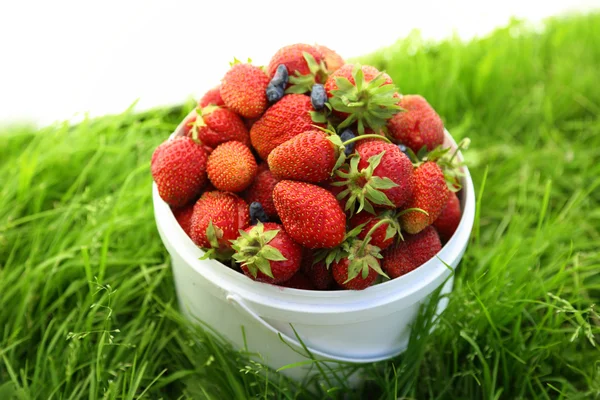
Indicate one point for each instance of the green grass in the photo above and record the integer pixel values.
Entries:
(87, 304)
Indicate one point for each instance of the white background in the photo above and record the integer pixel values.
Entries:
(59, 59)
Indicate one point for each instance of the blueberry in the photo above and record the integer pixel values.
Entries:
(347, 134)
(402, 148)
(274, 92)
(281, 76)
(257, 213)
(318, 96)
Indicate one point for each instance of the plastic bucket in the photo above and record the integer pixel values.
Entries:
(349, 326)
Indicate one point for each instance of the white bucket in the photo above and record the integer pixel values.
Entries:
(349, 326)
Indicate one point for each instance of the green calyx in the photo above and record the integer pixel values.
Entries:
(362, 186)
(360, 254)
(303, 83)
(253, 251)
(445, 159)
(369, 104)
(214, 234)
(390, 218)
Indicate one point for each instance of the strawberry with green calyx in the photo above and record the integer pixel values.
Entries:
(445, 159)
(215, 125)
(354, 263)
(380, 229)
(216, 219)
(243, 89)
(304, 64)
(310, 214)
(267, 253)
(379, 175)
(362, 95)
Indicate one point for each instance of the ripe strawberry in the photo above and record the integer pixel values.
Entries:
(215, 125)
(267, 253)
(319, 275)
(385, 225)
(261, 190)
(231, 167)
(217, 219)
(243, 90)
(394, 165)
(298, 281)
(292, 57)
(213, 96)
(310, 214)
(363, 95)
(308, 157)
(449, 219)
(418, 126)
(183, 215)
(179, 170)
(285, 119)
(335, 190)
(409, 254)
(341, 272)
(333, 61)
(430, 193)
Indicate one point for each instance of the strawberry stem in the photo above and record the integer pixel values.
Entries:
(369, 136)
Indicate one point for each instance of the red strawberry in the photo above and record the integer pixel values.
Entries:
(387, 226)
(244, 90)
(394, 165)
(183, 215)
(310, 214)
(213, 96)
(319, 275)
(292, 57)
(449, 219)
(261, 190)
(308, 157)
(231, 167)
(341, 271)
(298, 281)
(267, 253)
(369, 103)
(418, 126)
(179, 170)
(430, 193)
(217, 219)
(409, 254)
(285, 119)
(333, 60)
(216, 125)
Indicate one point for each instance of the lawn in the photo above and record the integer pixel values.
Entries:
(87, 303)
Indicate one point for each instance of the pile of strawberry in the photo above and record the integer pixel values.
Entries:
(312, 173)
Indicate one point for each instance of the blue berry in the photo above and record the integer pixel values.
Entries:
(402, 148)
(274, 92)
(257, 213)
(347, 134)
(318, 96)
(281, 76)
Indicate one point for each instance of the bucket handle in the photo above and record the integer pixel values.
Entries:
(234, 298)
